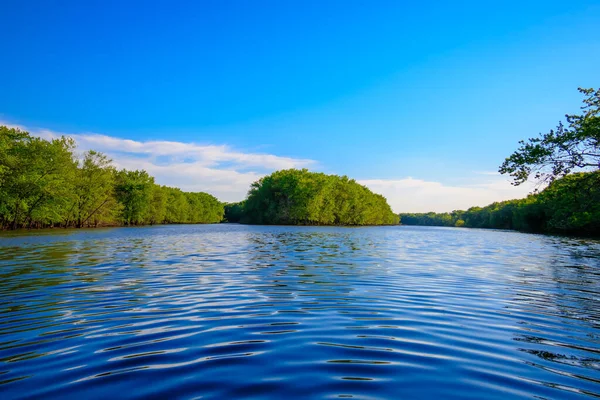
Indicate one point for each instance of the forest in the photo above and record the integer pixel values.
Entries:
(44, 184)
(567, 159)
(300, 197)
(569, 205)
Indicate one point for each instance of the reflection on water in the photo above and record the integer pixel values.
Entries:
(226, 311)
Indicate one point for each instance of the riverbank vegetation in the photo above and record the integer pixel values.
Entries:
(300, 197)
(568, 148)
(570, 204)
(44, 184)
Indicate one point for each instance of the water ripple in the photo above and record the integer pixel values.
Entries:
(229, 311)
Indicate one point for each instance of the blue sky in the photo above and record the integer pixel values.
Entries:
(419, 100)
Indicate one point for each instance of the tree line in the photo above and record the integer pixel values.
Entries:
(569, 205)
(300, 197)
(44, 184)
(568, 158)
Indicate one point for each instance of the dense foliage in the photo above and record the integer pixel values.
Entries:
(234, 212)
(43, 183)
(432, 219)
(561, 151)
(568, 205)
(300, 197)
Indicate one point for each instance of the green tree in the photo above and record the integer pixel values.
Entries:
(43, 184)
(94, 191)
(563, 150)
(157, 209)
(133, 190)
(307, 198)
(177, 206)
(36, 177)
(569, 205)
(572, 204)
(234, 212)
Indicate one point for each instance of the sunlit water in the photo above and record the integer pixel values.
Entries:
(230, 311)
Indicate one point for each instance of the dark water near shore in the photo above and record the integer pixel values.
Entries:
(230, 311)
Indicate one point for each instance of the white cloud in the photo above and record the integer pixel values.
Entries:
(416, 195)
(208, 155)
(217, 169)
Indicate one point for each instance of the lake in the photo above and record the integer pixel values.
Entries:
(229, 311)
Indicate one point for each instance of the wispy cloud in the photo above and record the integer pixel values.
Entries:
(207, 155)
(416, 195)
(217, 169)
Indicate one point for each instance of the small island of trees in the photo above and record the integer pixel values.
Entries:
(300, 197)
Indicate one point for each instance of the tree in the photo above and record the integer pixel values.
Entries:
(134, 190)
(300, 197)
(93, 192)
(157, 208)
(572, 204)
(36, 177)
(177, 206)
(561, 151)
(42, 184)
(234, 212)
(569, 205)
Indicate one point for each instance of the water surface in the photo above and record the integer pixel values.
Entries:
(229, 311)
